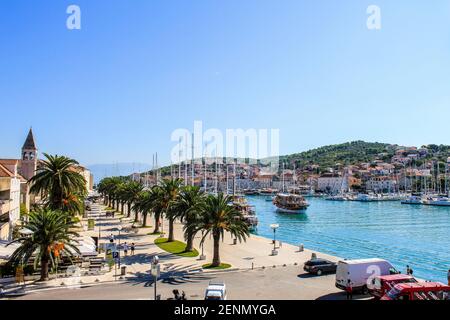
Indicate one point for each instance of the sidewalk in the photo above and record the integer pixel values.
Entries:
(255, 253)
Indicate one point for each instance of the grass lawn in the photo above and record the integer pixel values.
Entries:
(223, 266)
(176, 248)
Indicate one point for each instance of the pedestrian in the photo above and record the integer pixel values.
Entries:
(111, 238)
(349, 290)
(408, 270)
(132, 248)
(125, 249)
(448, 277)
(281, 244)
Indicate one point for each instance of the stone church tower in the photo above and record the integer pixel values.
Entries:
(29, 157)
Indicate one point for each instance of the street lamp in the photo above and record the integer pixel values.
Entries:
(274, 227)
(119, 228)
(156, 269)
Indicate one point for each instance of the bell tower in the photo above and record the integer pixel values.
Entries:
(29, 156)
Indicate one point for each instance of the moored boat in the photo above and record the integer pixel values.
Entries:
(337, 198)
(290, 203)
(439, 202)
(248, 212)
(413, 199)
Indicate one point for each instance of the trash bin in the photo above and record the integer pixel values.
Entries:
(235, 241)
(123, 271)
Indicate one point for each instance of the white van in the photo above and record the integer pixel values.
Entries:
(359, 272)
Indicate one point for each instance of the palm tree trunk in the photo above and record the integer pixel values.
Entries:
(44, 268)
(157, 220)
(121, 210)
(216, 257)
(136, 215)
(144, 219)
(190, 243)
(171, 233)
(129, 210)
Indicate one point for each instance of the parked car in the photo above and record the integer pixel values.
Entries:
(383, 284)
(320, 266)
(359, 272)
(419, 291)
(216, 291)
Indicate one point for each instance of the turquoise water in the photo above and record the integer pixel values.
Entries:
(403, 234)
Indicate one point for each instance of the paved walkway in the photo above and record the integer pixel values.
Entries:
(254, 253)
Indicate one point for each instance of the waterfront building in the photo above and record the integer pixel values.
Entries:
(332, 183)
(10, 186)
(26, 168)
(382, 184)
(87, 175)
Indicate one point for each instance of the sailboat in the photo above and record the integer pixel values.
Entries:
(289, 202)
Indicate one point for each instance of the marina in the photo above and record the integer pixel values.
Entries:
(403, 234)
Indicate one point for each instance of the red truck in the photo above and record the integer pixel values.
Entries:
(419, 291)
(383, 284)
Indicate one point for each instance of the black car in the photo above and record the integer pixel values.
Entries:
(320, 266)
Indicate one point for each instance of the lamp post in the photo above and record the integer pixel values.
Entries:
(119, 228)
(155, 273)
(274, 227)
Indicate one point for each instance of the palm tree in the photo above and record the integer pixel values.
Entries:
(187, 209)
(217, 216)
(132, 191)
(122, 196)
(171, 190)
(52, 236)
(155, 204)
(143, 205)
(58, 182)
(108, 187)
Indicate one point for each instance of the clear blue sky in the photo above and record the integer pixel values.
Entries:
(115, 90)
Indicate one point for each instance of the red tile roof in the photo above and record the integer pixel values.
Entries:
(5, 173)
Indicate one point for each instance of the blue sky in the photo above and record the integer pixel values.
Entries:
(137, 70)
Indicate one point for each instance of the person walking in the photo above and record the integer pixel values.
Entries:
(111, 238)
(133, 247)
(349, 290)
(125, 249)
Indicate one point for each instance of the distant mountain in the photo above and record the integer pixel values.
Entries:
(345, 154)
(101, 171)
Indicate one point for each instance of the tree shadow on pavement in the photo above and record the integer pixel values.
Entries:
(175, 276)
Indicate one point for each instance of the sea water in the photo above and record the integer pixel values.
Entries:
(414, 235)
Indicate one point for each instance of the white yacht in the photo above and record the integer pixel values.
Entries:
(439, 201)
(363, 197)
(413, 199)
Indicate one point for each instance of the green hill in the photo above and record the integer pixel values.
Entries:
(345, 154)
